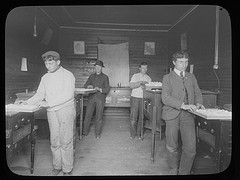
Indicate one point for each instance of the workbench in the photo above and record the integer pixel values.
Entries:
(79, 96)
(20, 130)
(152, 111)
(214, 135)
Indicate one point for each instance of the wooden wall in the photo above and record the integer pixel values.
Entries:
(225, 58)
(199, 26)
(15, 79)
(82, 65)
(19, 42)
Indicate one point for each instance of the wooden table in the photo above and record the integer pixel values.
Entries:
(80, 92)
(155, 100)
(154, 97)
(20, 130)
(213, 131)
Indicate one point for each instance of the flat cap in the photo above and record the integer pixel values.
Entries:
(51, 53)
(100, 63)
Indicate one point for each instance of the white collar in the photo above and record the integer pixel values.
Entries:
(178, 72)
(57, 70)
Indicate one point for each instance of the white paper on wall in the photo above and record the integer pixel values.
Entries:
(24, 64)
(191, 68)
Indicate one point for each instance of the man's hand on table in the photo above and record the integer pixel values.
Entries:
(200, 106)
(90, 87)
(20, 102)
(42, 104)
(190, 107)
(98, 89)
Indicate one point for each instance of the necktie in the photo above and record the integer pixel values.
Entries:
(181, 74)
(186, 95)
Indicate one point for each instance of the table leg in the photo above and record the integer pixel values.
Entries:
(141, 116)
(153, 132)
(33, 142)
(32, 156)
(81, 118)
(219, 149)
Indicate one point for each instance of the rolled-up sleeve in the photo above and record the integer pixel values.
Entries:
(40, 94)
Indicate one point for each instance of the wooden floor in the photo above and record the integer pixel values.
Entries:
(114, 154)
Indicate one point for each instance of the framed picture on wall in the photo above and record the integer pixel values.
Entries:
(79, 47)
(184, 41)
(149, 48)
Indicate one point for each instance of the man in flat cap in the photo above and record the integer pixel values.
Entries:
(56, 93)
(100, 82)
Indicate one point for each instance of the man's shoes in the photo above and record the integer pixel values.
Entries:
(132, 137)
(55, 172)
(98, 136)
(67, 173)
(83, 135)
(173, 171)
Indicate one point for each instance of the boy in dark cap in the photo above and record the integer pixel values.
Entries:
(100, 82)
(56, 93)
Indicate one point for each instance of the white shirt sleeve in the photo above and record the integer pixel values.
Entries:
(133, 79)
(149, 79)
(40, 94)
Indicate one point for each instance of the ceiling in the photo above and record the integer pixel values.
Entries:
(109, 17)
(142, 17)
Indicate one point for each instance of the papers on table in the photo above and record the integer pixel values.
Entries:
(214, 114)
(21, 108)
(153, 85)
(84, 90)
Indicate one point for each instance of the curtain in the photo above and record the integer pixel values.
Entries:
(115, 58)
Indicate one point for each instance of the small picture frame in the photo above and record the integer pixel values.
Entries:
(184, 41)
(149, 48)
(79, 47)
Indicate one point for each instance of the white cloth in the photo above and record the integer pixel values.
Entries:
(138, 92)
(56, 88)
(115, 58)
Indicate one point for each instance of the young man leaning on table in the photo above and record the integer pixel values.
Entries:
(180, 94)
(56, 93)
(137, 83)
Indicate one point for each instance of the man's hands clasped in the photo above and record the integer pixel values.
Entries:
(98, 89)
(192, 107)
(143, 84)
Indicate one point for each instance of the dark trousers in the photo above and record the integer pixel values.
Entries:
(184, 123)
(92, 103)
(136, 117)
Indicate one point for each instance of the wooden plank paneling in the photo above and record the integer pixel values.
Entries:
(19, 42)
(200, 29)
(82, 66)
(15, 79)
